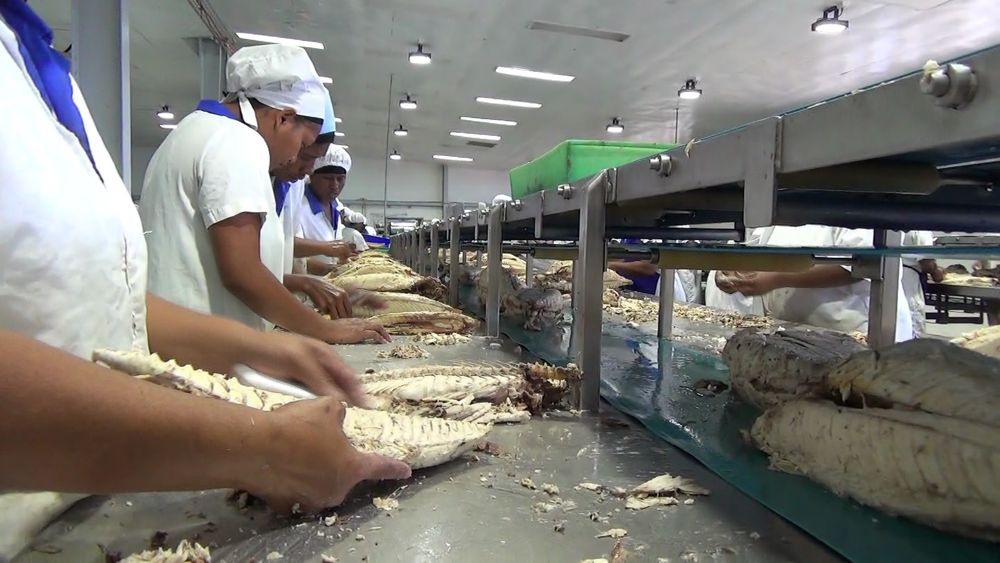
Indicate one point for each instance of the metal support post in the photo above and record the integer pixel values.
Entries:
(884, 293)
(494, 269)
(434, 260)
(421, 251)
(593, 250)
(456, 243)
(100, 33)
(665, 327)
(212, 59)
(529, 262)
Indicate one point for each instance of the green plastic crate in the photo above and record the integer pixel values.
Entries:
(570, 161)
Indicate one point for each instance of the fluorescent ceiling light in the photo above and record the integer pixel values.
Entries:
(165, 113)
(280, 40)
(537, 75)
(511, 103)
(830, 23)
(420, 57)
(342, 146)
(452, 158)
(168, 125)
(615, 127)
(479, 136)
(401, 131)
(395, 155)
(337, 120)
(504, 122)
(326, 80)
(339, 134)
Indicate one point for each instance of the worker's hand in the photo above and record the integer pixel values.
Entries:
(754, 283)
(308, 362)
(325, 296)
(355, 331)
(310, 462)
(341, 250)
(365, 298)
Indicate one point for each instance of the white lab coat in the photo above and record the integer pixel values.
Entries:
(314, 223)
(736, 302)
(73, 259)
(679, 295)
(912, 289)
(209, 169)
(73, 265)
(842, 308)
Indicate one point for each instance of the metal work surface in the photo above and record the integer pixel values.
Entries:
(471, 509)
(964, 290)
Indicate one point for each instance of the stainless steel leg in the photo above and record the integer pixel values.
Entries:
(453, 262)
(421, 252)
(665, 329)
(434, 259)
(529, 262)
(494, 267)
(884, 294)
(593, 253)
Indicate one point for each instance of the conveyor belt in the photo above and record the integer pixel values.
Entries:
(655, 383)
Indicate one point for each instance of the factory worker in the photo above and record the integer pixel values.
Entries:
(915, 270)
(735, 302)
(216, 241)
(825, 296)
(72, 280)
(354, 226)
(321, 220)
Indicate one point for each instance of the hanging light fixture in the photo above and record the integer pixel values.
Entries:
(165, 113)
(407, 102)
(400, 131)
(830, 23)
(420, 57)
(395, 155)
(615, 127)
(690, 91)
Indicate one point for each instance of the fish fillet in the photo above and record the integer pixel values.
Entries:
(402, 303)
(417, 441)
(426, 322)
(985, 341)
(938, 470)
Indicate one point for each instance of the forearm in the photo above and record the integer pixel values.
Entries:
(637, 268)
(71, 425)
(209, 342)
(318, 266)
(259, 290)
(305, 248)
(817, 277)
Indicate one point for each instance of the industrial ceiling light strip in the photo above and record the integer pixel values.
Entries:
(280, 40)
(478, 136)
(420, 57)
(504, 122)
(339, 134)
(690, 91)
(511, 103)
(534, 74)
(168, 126)
(830, 23)
(452, 158)
(326, 80)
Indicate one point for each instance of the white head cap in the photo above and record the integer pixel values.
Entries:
(351, 216)
(501, 198)
(278, 76)
(336, 155)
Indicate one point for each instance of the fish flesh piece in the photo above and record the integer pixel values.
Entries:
(395, 282)
(450, 339)
(404, 352)
(560, 276)
(538, 308)
(426, 322)
(768, 368)
(938, 470)
(402, 303)
(499, 393)
(985, 341)
(417, 441)
(186, 552)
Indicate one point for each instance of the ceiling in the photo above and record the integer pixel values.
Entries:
(752, 59)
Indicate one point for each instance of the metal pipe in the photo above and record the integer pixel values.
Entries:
(434, 260)
(884, 293)
(665, 327)
(591, 266)
(529, 266)
(661, 233)
(421, 251)
(893, 216)
(494, 268)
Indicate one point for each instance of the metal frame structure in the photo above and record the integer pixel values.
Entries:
(918, 152)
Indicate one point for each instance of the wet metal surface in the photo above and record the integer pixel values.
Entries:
(473, 509)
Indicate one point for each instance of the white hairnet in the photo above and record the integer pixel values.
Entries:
(336, 155)
(501, 198)
(278, 76)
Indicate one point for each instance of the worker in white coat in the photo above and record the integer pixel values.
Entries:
(826, 296)
(321, 217)
(915, 269)
(734, 301)
(72, 280)
(354, 227)
(216, 242)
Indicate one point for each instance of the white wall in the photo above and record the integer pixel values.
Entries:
(475, 184)
(140, 159)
